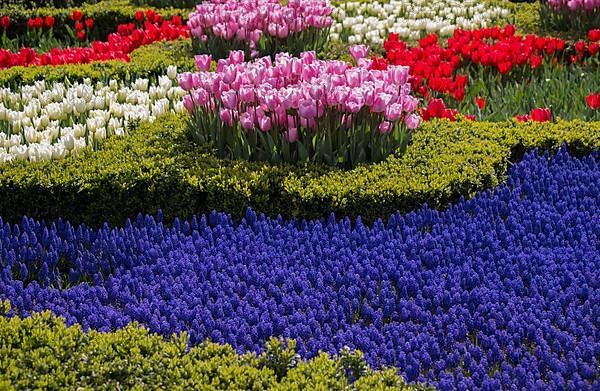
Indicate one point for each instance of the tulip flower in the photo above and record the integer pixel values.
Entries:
(47, 121)
(359, 51)
(593, 100)
(480, 102)
(307, 95)
(241, 24)
(540, 115)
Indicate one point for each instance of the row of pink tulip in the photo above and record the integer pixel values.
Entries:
(264, 26)
(325, 111)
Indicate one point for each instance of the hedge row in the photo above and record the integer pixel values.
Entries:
(41, 352)
(106, 14)
(149, 59)
(158, 167)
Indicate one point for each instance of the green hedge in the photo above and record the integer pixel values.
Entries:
(158, 167)
(106, 14)
(41, 352)
(149, 59)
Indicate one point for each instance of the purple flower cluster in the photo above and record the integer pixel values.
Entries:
(500, 291)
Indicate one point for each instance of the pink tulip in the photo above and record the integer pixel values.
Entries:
(203, 61)
(353, 78)
(246, 94)
(307, 109)
(188, 103)
(201, 97)
(282, 31)
(247, 120)
(398, 74)
(359, 51)
(380, 102)
(264, 124)
(393, 112)
(291, 136)
(412, 121)
(229, 99)
(409, 103)
(385, 127)
(236, 56)
(226, 116)
(185, 81)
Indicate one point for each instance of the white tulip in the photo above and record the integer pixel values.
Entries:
(59, 151)
(68, 141)
(172, 72)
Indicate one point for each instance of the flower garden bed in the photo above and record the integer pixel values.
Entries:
(420, 214)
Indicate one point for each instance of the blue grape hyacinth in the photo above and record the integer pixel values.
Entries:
(499, 291)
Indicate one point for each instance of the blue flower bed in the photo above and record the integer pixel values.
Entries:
(499, 291)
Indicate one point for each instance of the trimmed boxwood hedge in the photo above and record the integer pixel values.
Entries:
(41, 352)
(158, 167)
(145, 60)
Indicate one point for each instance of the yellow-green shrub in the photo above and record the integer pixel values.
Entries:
(158, 167)
(41, 352)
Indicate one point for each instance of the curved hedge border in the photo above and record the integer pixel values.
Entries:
(42, 352)
(149, 59)
(158, 167)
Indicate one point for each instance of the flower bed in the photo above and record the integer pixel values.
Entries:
(495, 279)
(259, 26)
(575, 15)
(118, 45)
(499, 66)
(51, 121)
(477, 289)
(300, 109)
(372, 21)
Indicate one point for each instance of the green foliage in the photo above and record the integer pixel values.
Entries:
(146, 60)
(334, 143)
(41, 352)
(562, 88)
(158, 167)
(106, 14)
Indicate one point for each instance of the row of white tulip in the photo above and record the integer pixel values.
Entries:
(371, 22)
(45, 121)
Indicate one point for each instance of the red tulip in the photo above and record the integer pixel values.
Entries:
(139, 16)
(535, 61)
(118, 45)
(522, 118)
(5, 22)
(593, 100)
(89, 23)
(49, 21)
(580, 47)
(480, 102)
(541, 115)
(77, 15)
(594, 35)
